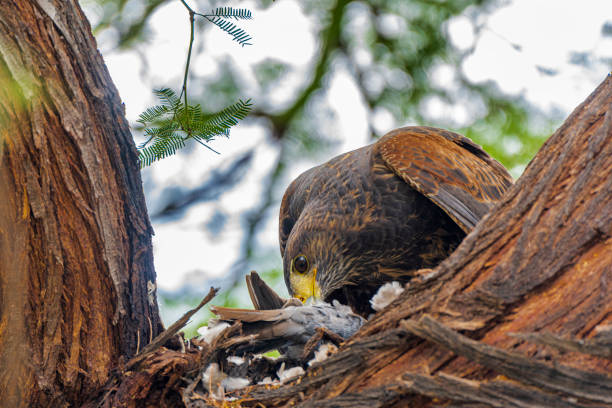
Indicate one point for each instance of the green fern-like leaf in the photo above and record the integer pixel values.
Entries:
(229, 12)
(220, 122)
(240, 36)
(170, 125)
(189, 116)
(195, 113)
(230, 116)
(166, 128)
(162, 147)
(168, 98)
(153, 113)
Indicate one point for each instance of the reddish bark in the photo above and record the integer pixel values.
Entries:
(75, 246)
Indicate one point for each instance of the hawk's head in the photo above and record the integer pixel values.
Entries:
(379, 213)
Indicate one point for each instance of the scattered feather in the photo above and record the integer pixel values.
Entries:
(386, 294)
(324, 351)
(342, 308)
(209, 333)
(234, 383)
(284, 375)
(212, 379)
(235, 360)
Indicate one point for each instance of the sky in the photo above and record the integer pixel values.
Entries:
(519, 46)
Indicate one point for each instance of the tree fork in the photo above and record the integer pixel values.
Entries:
(77, 284)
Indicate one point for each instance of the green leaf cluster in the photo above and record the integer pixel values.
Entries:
(239, 34)
(169, 125)
(220, 19)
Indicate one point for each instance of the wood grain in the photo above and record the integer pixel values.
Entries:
(76, 264)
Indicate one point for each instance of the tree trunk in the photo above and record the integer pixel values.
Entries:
(77, 284)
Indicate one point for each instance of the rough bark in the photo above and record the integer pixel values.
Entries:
(76, 270)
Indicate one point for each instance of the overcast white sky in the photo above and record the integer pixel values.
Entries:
(525, 37)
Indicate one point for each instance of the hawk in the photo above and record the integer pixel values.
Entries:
(381, 212)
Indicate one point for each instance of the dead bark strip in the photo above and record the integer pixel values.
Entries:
(77, 284)
(560, 378)
(498, 394)
(600, 346)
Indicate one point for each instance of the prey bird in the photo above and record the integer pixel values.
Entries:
(286, 324)
(379, 213)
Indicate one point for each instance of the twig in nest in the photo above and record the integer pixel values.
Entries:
(164, 336)
(188, 391)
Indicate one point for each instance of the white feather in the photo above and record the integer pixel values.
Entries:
(342, 308)
(235, 360)
(234, 383)
(212, 378)
(209, 333)
(323, 352)
(285, 375)
(386, 294)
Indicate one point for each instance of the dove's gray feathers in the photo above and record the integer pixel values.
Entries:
(290, 327)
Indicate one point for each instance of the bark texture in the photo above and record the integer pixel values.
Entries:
(76, 273)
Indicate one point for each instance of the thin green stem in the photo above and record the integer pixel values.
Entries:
(147, 142)
(205, 145)
(192, 22)
(191, 37)
(187, 6)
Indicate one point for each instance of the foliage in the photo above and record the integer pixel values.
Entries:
(170, 125)
(219, 18)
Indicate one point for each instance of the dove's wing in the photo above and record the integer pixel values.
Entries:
(262, 295)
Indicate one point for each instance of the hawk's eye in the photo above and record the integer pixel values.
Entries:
(300, 264)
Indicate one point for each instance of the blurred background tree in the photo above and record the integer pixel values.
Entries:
(327, 77)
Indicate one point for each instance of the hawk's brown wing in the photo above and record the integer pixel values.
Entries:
(449, 169)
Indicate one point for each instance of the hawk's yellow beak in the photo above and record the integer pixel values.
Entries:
(305, 285)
